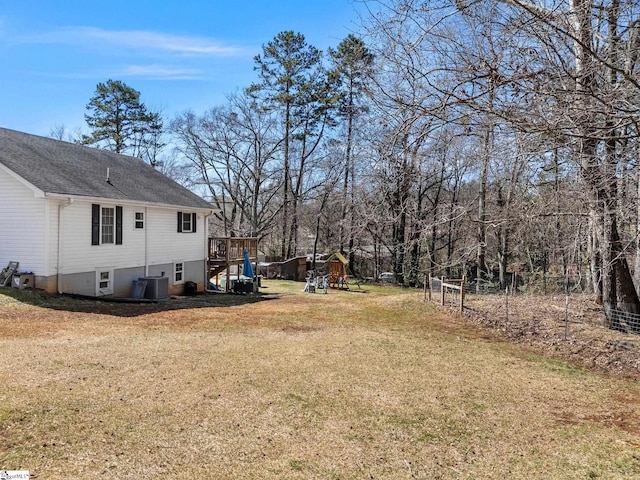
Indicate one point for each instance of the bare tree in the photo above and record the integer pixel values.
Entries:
(565, 72)
(234, 151)
(352, 66)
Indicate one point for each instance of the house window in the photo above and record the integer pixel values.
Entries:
(139, 220)
(104, 281)
(186, 222)
(178, 272)
(106, 225)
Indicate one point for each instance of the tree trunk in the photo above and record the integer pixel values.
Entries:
(627, 295)
(595, 260)
(598, 171)
(399, 248)
(503, 241)
(618, 292)
(399, 231)
(285, 191)
(345, 184)
(636, 273)
(482, 212)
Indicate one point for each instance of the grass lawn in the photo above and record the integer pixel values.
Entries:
(289, 385)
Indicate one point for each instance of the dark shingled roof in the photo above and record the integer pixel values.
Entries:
(69, 169)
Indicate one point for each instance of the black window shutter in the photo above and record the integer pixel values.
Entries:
(179, 222)
(193, 222)
(95, 224)
(118, 225)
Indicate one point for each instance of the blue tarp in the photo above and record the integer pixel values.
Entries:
(247, 268)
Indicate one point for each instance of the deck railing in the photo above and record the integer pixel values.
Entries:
(230, 249)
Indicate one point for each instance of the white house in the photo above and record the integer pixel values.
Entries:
(89, 221)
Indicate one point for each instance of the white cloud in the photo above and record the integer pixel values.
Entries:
(137, 39)
(160, 72)
(148, 72)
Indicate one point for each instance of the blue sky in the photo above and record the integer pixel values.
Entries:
(180, 55)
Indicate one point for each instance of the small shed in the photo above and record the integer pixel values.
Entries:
(294, 269)
(338, 266)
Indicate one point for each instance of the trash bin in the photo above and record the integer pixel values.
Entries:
(190, 288)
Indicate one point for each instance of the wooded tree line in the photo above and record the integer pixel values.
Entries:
(450, 137)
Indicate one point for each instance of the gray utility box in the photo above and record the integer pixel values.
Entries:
(157, 287)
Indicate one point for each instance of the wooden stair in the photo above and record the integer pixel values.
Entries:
(217, 269)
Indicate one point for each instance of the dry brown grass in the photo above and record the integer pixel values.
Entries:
(295, 386)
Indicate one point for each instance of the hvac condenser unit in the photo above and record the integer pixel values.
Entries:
(157, 287)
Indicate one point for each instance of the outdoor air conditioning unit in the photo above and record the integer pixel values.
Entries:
(157, 287)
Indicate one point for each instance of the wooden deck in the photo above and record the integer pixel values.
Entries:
(225, 252)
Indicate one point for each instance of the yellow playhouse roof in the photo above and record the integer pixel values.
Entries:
(338, 256)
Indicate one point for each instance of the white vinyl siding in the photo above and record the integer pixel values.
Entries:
(51, 237)
(35, 236)
(78, 255)
(166, 244)
(23, 237)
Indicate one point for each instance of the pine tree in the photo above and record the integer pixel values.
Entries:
(120, 122)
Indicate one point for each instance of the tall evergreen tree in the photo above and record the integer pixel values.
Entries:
(120, 122)
(352, 66)
(287, 70)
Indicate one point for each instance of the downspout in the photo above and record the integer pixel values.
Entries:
(59, 259)
(146, 242)
(206, 251)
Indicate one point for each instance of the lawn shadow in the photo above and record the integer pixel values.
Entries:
(125, 307)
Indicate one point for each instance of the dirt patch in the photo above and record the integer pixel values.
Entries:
(627, 421)
(300, 328)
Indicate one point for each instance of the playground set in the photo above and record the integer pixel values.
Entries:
(335, 276)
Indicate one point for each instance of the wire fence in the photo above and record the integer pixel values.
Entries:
(624, 321)
(449, 292)
(526, 307)
(565, 323)
(531, 283)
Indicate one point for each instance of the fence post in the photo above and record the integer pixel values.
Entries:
(462, 294)
(425, 288)
(566, 316)
(506, 309)
(442, 291)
